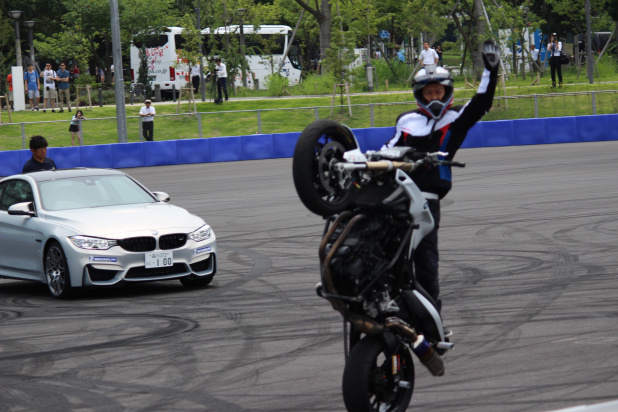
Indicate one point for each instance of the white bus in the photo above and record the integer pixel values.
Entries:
(264, 51)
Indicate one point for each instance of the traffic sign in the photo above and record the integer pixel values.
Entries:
(384, 34)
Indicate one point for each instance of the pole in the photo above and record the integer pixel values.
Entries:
(589, 61)
(289, 45)
(121, 115)
(242, 52)
(30, 25)
(18, 44)
(199, 28)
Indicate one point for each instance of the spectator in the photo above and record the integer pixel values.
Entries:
(32, 85)
(49, 87)
(9, 81)
(62, 76)
(195, 77)
(147, 113)
(112, 70)
(221, 80)
(428, 56)
(534, 53)
(439, 53)
(555, 47)
(74, 127)
(39, 160)
(75, 71)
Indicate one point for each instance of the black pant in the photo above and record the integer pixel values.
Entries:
(555, 64)
(147, 130)
(222, 83)
(426, 257)
(196, 83)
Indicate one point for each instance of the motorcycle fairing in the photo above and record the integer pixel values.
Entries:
(418, 208)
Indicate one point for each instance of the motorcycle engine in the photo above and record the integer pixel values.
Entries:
(363, 255)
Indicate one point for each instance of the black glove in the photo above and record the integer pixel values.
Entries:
(491, 55)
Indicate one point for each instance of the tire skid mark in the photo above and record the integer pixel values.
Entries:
(176, 326)
(545, 290)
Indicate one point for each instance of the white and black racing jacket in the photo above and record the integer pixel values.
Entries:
(447, 134)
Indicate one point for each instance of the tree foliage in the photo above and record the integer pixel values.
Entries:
(79, 30)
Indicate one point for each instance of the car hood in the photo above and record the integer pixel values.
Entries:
(127, 220)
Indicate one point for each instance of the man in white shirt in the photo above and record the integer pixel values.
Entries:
(555, 48)
(49, 88)
(147, 113)
(195, 77)
(534, 53)
(221, 80)
(428, 56)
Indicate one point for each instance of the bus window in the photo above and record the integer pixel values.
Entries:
(154, 41)
(294, 55)
(209, 46)
(180, 41)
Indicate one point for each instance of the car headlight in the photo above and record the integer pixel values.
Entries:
(201, 234)
(92, 243)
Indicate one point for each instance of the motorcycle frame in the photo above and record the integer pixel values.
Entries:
(423, 224)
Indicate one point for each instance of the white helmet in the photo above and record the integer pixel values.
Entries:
(432, 74)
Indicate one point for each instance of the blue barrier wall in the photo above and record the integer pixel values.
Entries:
(269, 146)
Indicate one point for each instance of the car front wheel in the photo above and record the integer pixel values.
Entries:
(57, 272)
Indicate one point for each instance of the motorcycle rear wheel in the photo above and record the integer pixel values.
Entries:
(371, 378)
(322, 142)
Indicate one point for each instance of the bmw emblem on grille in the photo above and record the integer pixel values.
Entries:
(154, 232)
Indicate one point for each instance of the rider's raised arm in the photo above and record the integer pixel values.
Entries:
(482, 101)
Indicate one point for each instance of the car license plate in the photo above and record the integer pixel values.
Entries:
(159, 259)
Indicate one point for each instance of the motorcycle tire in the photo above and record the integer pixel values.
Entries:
(320, 143)
(371, 381)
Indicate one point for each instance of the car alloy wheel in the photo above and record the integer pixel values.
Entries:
(56, 271)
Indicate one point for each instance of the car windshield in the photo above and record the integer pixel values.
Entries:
(91, 191)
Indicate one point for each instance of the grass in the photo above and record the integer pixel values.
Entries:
(216, 120)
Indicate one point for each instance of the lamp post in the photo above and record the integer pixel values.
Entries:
(242, 12)
(199, 28)
(15, 15)
(30, 25)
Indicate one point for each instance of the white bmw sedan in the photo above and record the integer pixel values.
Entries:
(97, 227)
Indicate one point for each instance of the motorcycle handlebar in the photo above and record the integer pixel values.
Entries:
(387, 165)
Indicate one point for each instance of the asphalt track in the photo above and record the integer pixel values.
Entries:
(529, 283)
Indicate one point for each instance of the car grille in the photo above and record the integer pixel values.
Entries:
(142, 272)
(138, 244)
(172, 241)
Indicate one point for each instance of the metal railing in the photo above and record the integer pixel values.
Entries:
(212, 124)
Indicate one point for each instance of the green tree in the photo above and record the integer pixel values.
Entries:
(142, 71)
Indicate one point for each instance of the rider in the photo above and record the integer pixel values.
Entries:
(436, 126)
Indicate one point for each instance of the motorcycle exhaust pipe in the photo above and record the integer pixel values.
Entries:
(428, 356)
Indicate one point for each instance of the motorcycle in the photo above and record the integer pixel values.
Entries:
(375, 218)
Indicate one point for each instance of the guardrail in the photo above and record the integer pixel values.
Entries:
(14, 136)
(269, 146)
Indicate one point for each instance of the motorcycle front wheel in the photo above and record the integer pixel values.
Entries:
(374, 380)
(321, 143)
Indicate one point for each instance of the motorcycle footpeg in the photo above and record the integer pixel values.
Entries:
(319, 289)
(445, 345)
(404, 384)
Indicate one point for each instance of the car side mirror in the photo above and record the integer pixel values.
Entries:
(162, 196)
(22, 209)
